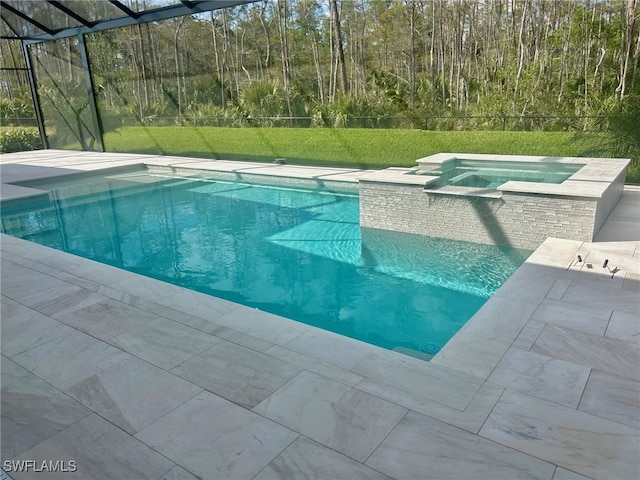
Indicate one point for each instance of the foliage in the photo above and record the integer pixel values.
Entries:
(205, 114)
(271, 59)
(620, 123)
(624, 127)
(261, 99)
(350, 112)
(19, 139)
(15, 110)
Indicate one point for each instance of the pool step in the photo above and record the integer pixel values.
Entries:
(413, 353)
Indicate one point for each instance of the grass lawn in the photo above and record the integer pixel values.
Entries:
(363, 148)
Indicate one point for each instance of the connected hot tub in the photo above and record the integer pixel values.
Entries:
(511, 200)
(491, 174)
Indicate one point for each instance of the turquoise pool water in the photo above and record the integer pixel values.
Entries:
(294, 252)
(490, 175)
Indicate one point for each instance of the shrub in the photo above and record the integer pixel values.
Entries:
(620, 137)
(17, 109)
(18, 139)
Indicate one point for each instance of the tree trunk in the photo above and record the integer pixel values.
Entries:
(179, 80)
(267, 55)
(341, 67)
(219, 66)
(627, 46)
(283, 14)
(521, 50)
(412, 54)
(636, 63)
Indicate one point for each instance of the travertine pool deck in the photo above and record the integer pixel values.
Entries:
(133, 378)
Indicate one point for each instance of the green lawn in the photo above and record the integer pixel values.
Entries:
(336, 147)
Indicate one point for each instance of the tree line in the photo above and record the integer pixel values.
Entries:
(334, 60)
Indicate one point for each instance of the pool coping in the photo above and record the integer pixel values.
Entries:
(474, 384)
(592, 180)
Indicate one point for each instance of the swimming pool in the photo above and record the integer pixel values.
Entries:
(295, 252)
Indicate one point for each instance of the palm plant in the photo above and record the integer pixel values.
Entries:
(620, 137)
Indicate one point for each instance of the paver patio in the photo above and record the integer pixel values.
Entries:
(132, 378)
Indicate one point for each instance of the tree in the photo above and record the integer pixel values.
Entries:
(388, 57)
(627, 43)
(341, 69)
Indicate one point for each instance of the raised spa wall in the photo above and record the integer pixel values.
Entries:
(518, 214)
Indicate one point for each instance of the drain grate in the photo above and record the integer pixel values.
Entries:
(430, 348)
